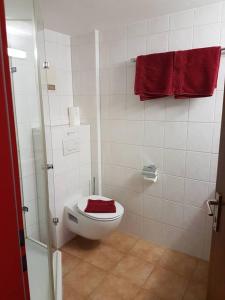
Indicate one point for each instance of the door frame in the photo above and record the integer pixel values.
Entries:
(14, 277)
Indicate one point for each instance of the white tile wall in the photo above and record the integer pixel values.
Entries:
(58, 53)
(72, 173)
(180, 136)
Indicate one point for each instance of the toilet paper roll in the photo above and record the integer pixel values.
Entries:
(74, 116)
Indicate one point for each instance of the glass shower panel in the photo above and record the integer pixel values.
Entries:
(25, 35)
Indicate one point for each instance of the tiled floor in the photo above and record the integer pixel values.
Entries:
(123, 267)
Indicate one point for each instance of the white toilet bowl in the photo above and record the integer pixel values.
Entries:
(94, 226)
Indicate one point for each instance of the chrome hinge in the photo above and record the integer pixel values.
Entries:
(55, 220)
(48, 166)
(13, 69)
(46, 65)
(25, 208)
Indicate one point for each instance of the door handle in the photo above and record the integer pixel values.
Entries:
(215, 212)
(209, 203)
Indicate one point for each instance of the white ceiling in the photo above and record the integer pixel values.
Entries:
(79, 16)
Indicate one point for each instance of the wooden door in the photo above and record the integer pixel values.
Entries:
(13, 273)
(216, 285)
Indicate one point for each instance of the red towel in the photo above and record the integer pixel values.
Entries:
(196, 72)
(100, 206)
(154, 75)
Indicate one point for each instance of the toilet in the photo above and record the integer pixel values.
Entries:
(94, 226)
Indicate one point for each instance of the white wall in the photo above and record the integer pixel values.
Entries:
(180, 136)
(71, 173)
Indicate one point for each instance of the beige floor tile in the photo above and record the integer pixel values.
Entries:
(104, 257)
(121, 241)
(148, 251)
(80, 246)
(166, 284)
(179, 263)
(71, 294)
(201, 272)
(84, 278)
(115, 288)
(69, 262)
(146, 295)
(196, 291)
(133, 269)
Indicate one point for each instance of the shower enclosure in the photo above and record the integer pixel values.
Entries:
(26, 50)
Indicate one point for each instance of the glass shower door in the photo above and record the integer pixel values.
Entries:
(25, 33)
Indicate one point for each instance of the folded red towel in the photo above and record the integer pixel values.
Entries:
(154, 75)
(196, 72)
(100, 206)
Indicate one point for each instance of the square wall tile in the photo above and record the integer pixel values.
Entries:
(137, 29)
(117, 107)
(196, 192)
(175, 135)
(200, 137)
(173, 188)
(152, 208)
(218, 106)
(213, 167)
(134, 108)
(208, 14)
(177, 110)
(133, 202)
(159, 24)
(174, 162)
(182, 19)
(202, 109)
(153, 155)
(216, 137)
(221, 76)
(118, 130)
(135, 132)
(206, 35)
(181, 39)
(157, 43)
(194, 218)
(136, 46)
(193, 243)
(223, 12)
(155, 110)
(118, 80)
(154, 134)
(117, 52)
(198, 165)
(132, 223)
(172, 213)
(152, 231)
(154, 188)
(126, 155)
(130, 78)
(173, 237)
(132, 179)
(222, 40)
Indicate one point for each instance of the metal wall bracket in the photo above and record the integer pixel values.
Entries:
(55, 220)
